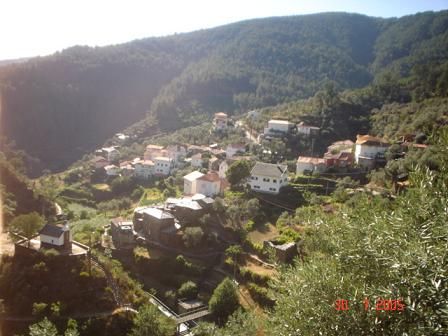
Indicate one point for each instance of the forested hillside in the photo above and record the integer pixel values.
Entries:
(59, 107)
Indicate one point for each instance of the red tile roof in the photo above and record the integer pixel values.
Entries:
(210, 177)
(309, 159)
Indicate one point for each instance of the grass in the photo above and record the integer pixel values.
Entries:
(151, 196)
(259, 269)
(82, 229)
(78, 208)
(101, 186)
(265, 232)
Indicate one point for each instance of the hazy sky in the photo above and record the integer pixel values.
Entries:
(40, 27)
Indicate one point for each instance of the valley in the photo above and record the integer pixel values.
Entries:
(259, 178)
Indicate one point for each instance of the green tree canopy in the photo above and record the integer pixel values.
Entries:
(192, 236)
(224, 301)
(151, 322)
(27, 225)
(188, 290)
(238, 172)
(43, 328)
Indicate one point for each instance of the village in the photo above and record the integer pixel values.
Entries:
(200, 220)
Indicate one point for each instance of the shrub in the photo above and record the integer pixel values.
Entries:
(260, 295)
(224, 301)
(188, 290)
(192, 236)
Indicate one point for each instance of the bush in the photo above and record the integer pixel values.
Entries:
(188, 290)
(260, 295)
(137, 193)
(83, 214)
(192, 236)
(248, 275)
(224, 301)
(250, 225)
(122, 184)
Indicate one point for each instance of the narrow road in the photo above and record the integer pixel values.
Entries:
(249, 136)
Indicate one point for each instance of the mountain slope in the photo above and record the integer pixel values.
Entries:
(59, 107)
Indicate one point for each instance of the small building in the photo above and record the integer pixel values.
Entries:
(56, 236)
(268, 177)
(188, 210)
(112, 170)
(176, 152)
(153, 151)
(144, 169)
(219, 153)
(311, 164)
(122, 137)
(208, 184)
(195, 149)
(190, 181)
(127, 168)
(341, 146)
(280, 127)
(233, 149)
(307, 130)
(368, 150)
(284, 253)
(338, 160)
(122, 233)
(220, 121)
(205, 202)
(99, 162)
(162, 165)
(150, 221)
(197, 161)
(110, 153)
(213, 164)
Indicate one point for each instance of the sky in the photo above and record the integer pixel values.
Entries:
(41, 27)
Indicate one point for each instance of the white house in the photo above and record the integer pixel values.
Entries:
(268, 177)
(278, 126)
(220, 121)
(163, 165)
(311, 164)
(110, 153)
(153, 151)
(190, 182)
(368, 149)
(122, 137)
(144, 169)
(234, 149)
(56, 236)
(208, 184)
(176, 152)
(112, 170)
(307, 130)
(127, 168)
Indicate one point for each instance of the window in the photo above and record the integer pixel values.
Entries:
(266, 179)
(272, 189)
(256, 187)
(275, 181)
